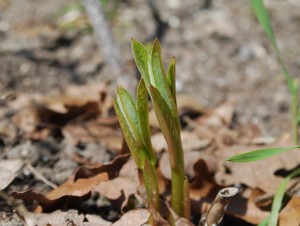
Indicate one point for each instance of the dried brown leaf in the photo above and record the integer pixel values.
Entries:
(290, 215)
(259, 174)
(8, 171)
(125, 184)
(102, 130)
(135, 217)
(77, 188)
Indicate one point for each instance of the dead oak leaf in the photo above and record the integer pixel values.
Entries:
(104, 130)
(71, 193)
(126, 183)
(290, 215)
(135, 217)
(259, 174)
(190, 141)
(77, 188)
(8, 171)
(190, 158)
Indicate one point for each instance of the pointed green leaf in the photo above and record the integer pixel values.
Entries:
(263, 18)
(127, 107)
(143, 117)
(141, 57)
(169, 126)
(172, 77)
(158, 76)
(129, 137)
(259, 154)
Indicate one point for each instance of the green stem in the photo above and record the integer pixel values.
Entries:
(152, 190)
(178, 182)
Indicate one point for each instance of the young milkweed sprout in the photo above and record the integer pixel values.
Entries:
(133, 115)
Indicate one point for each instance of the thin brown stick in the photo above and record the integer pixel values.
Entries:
(215, 213)
(107, 45)
(40, 176)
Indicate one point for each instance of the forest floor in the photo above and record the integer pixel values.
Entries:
(58, 123)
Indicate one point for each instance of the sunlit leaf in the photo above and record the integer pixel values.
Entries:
(158, 76)
(127, 107)
(172, 77)
(167, 122)
(259, 154)
(129, 137)
(143, 117)
(141, 57)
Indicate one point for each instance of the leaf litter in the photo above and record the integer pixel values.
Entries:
(209, 137)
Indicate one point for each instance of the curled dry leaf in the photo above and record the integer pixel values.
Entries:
(8, 171)
(190, 141)
(218, 117)
(102, 130)
(57, 218)
(77, 188)
(135, 217)
(70, 194)
(125, 184)
(190, 158)
(290, 215)
(260, 174)
(55, 111)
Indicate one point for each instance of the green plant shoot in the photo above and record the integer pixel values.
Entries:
(162, 90)
(134, 121)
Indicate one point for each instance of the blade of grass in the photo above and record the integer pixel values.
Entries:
(263, 18)
(259, 154)
(277, 201)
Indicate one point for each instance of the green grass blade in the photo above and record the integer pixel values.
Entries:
(143, 117)
(172, 77)
(259, 154)
(262, 15)
(141, 57)
(277, 201)
(265, 221)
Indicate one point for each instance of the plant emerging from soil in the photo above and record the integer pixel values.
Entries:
(134, 121)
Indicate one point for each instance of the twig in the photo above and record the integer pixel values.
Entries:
(214, 215)
(40, 176)
(107, 45)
